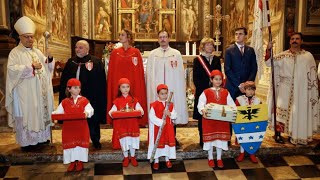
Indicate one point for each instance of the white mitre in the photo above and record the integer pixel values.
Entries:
(25, 25)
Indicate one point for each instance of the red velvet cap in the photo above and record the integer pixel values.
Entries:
(123, 81)
(161, 86)
(216, 72)
(73, 82)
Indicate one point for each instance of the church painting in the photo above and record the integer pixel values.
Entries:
(103, 19)
(310, 24)
(189, 13)
(36, 10)
(146, 17)
(59, 21)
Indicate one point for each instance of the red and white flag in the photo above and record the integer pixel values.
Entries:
(260, 21)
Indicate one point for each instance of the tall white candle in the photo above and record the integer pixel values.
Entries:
(194, 48)
(187, 48)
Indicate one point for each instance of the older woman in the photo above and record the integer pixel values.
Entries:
(201, 79)
(126, 62)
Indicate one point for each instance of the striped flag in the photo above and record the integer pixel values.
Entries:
(260, 21)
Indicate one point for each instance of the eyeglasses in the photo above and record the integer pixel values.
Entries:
(27, 36)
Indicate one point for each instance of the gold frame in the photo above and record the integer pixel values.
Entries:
(172, 13)
(144, 36)
(303, 21)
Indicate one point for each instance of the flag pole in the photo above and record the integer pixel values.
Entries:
(277, 134)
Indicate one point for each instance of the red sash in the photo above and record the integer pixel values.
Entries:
(204, 65)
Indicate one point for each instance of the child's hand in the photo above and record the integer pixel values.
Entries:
(87, 114)
(164, 122)
(204, 113)
(167, 113)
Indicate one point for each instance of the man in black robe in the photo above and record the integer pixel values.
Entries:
(90, 71)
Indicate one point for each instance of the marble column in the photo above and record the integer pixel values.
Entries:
(6, 44)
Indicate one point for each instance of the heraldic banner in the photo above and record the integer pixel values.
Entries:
(250, 126)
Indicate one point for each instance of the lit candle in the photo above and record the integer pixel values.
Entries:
(194, 48)
(187, 48)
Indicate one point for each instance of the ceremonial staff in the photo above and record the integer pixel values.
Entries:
(277, 134)
(164, 116)
(47, 35)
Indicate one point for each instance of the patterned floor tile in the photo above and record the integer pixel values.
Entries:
(3, 171)
(260, 173)
(170, 176)
(283, 172)
(108, 169)
(314, 158)
(247, 164)
(202, 175)
(272, 161)
(308, 171)
(110, 177)
(297, 160)
(197, 165)
(143, 168)
(229, 163)
(138, 177)
(177, 166)
(230, 174)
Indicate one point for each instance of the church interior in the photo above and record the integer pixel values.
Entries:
(188, 21)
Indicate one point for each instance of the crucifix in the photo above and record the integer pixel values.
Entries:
(218, 17)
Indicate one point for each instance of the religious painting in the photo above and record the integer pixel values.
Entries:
(310, 24)
(59, 21)
(146, 17)
(36, 10)
(126, 20)
(189, 21)
(103, 19)
(168, 23)
(126, 3)
(313, 13)
(237, 11)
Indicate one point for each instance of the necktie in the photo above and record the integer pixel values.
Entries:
(242, 50)
(78, 71)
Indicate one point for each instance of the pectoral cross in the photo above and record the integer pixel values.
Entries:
(218, 17)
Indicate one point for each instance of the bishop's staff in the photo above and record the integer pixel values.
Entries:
(277, 134)
(46, 35)
(164, 116)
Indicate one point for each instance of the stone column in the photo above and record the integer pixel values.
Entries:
(6, 44)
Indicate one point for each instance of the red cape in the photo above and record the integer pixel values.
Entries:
(127, 64)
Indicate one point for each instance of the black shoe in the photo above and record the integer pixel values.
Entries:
(44, 143)
(97, 146)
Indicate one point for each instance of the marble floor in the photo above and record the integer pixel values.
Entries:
(268, 167)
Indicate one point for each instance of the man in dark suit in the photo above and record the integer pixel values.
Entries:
(201, 79)
(90, 72)
(240, 64)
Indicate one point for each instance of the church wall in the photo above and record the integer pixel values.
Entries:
(52, 16)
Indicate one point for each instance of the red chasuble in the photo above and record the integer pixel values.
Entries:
(212, 129)
(75, 132)
(127, 64)
(127, 127)
(167, 136)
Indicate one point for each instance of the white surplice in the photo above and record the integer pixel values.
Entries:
(166, 67)
(29, 97)
(296, 95)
